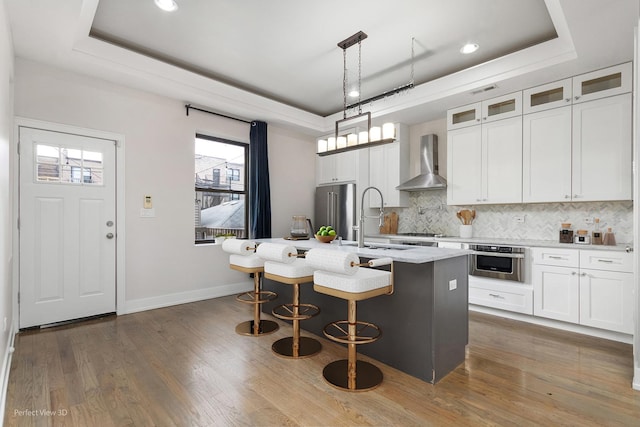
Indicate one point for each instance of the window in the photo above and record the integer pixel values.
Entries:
(66, 165)
(220, 189)
(233, 174)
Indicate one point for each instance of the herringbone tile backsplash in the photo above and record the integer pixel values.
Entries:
(428, 212)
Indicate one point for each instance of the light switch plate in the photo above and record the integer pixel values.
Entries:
(453, 284)
(147, 213)
(148, 202)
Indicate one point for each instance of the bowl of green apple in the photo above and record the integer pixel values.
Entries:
(325, 234)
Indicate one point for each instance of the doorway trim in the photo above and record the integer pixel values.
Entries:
(120, 204)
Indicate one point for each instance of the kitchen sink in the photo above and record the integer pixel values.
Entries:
(380, 246)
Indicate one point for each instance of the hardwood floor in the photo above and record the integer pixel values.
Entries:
(185, 366)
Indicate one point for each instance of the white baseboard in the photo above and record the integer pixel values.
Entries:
(594, 332)
(143, 304)
(636, 379)
(6, 368)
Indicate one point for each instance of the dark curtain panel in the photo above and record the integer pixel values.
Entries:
(259, 189)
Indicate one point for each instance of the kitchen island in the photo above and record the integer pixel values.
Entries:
(424, 322)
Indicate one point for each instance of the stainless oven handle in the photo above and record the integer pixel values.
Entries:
(497, 254)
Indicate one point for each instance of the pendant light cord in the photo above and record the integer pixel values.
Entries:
(360, 77)
(344, 83)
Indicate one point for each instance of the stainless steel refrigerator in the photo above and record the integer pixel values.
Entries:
(336, 206)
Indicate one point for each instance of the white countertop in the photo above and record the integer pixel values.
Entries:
(400, 253)
(500, 241)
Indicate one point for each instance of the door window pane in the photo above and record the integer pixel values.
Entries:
(47, 163)
(68, 165)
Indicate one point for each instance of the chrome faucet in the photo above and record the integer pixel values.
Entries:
(362, 217)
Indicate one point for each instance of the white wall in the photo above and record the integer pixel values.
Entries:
(163, 266)
(6, 193)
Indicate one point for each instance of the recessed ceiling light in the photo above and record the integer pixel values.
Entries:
(469, 48)
(167, 5)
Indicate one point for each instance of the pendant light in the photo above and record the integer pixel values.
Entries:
(371, 135)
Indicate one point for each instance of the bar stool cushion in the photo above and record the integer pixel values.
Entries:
(297, 268)
(364, 280)
(246, 261)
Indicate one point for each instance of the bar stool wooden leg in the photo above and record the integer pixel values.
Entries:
(296, 346)
(352, 374)
(256, 327)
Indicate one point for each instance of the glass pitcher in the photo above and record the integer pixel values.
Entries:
(300, 227)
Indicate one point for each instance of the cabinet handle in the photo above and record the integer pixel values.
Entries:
(583, 274)
(566, 196)
(576, 97)
(576, 196)
(496, 296)
(567, 100)
(555, 257)
(573, 273)
(608, 261)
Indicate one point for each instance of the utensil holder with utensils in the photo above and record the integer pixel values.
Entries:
(466, 217)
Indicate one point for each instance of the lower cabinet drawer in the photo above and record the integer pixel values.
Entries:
(517, 298)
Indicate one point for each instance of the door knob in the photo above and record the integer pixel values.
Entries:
(109, 235)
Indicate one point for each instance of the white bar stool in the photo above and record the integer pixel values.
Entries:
(283, 265)
(339, 274)
(243, 258)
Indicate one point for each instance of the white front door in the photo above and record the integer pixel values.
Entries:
(67, 226)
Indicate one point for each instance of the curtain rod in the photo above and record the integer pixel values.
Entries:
(190, 107)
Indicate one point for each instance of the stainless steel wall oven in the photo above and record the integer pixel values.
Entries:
(497, 262)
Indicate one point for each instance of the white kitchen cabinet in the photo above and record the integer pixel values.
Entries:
(484, 163)
(464, 165)
(601, 150)
(606, 290)
(602, 83)
(556, 293)
(578, 152)
(575, 143)
(461, 117)
(388, 168)
(502, 107)
(606, 300)
(501, 295)
(547, 96)
(502, 157)
(546, 155)
(587, 287)
(559, 257)
(337, 168)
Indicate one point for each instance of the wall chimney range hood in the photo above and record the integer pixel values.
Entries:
(428, 178)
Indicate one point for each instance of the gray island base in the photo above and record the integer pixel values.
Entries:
(424, 323)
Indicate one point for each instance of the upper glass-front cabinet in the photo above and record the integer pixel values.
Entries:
(545, 97)
(498, 108)
(502, 107)
(467, 115)
(602, 83)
